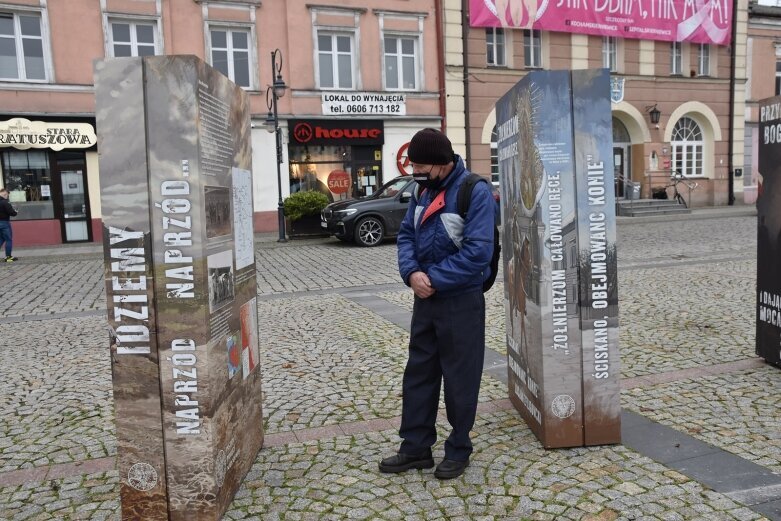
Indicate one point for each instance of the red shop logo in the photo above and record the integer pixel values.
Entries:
(303, 132)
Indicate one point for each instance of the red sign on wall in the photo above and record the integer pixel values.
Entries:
(402, 161)
(339, 181)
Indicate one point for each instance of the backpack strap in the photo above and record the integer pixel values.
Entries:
(465, 193)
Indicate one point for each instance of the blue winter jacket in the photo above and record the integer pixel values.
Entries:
(455, 253)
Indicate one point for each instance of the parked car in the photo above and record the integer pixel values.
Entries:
(369, 220)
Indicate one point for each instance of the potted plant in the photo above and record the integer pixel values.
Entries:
(302, 212)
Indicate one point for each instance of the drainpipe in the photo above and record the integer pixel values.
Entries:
(730, 163)
(465, 39)
(438, 17)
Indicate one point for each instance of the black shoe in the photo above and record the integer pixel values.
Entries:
(450, 468)
(401, 462)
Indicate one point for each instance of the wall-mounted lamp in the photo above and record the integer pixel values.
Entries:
(653, 113)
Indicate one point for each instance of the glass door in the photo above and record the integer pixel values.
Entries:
(73, 207)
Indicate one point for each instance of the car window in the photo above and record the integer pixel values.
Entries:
(392, 188)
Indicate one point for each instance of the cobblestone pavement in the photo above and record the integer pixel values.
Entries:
(332, 381)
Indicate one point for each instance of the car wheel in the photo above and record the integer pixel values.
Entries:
(369, 231)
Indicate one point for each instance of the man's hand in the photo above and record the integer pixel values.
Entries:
(421, 284)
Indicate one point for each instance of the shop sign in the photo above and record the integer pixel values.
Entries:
(364, 103)
(402, 160)
(336, 132)
(23, 134)
(339, 181)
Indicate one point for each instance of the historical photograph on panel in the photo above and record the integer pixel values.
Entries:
(218, 211)
(234, 353)
(249, 336)
(220, 270)
(534, 127)
(242, 218)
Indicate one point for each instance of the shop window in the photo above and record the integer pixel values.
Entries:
(230, 53)
(335, 60)
(532, 48)
(21, 47)
(676, 58)
(132, 38)
(494, 47)
(687, 145)
(27, 177)
(401, 62)
(310, 167)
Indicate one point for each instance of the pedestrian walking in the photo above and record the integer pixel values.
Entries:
(444, 258)
(6, 234)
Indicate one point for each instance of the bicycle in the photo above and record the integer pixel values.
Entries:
(675, 179)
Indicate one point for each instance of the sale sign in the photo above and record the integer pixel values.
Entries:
(698, 21)
(339, 181)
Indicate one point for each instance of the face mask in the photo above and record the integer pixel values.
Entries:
(424, 180)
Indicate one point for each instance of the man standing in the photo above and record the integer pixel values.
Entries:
(6, 234)
(444, 258)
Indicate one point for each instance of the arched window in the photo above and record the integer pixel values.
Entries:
(687, 147)
(620, 133)
(494, 157)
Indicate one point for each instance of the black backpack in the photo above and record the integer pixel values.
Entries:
(464, 198)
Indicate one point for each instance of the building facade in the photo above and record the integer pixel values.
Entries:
(700, 126)
(361, 78)
(764, 79)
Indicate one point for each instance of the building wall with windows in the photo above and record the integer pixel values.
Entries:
(764, 81)
(688, 83)
(378, 61)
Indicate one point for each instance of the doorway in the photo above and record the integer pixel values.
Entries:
(71, 204)
(622, 148)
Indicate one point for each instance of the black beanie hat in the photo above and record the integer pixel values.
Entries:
(430, 147)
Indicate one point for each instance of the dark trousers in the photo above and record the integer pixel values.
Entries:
(6, 236)
(447, 342)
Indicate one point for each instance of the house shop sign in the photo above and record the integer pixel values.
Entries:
(23, 134)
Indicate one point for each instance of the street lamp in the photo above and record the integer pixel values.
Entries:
(273, 92)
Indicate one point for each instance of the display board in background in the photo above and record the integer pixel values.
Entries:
(176, 195)
(559, 227)
(769, 232)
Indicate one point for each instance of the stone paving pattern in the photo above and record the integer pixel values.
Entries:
(738, 412)
(339, 364)
(326, 360)
(56, 402)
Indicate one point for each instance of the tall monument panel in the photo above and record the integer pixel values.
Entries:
(534, 123)
(555, 162)
(769, 232)
(176, 193)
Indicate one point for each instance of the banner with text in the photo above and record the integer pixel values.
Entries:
(364, 103)
(698, 21)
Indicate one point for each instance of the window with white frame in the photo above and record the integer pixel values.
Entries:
(132, 38)
(778, 78)
(21, 47)
(335, 60)
(400, 55)
(703, 60)
(687, 147)
(675, 58)
(532, 48)
(231, 54)
(610, 53)
(494, 156)
(495, 47)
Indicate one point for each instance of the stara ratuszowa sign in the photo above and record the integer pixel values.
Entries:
(23, 134)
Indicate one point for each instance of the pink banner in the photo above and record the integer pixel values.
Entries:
(699, 21)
